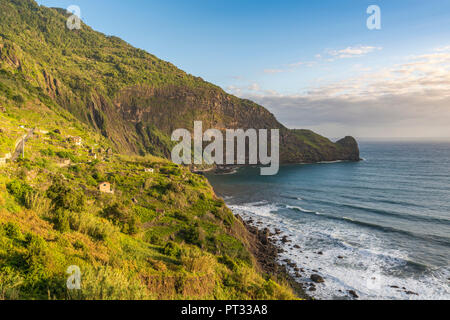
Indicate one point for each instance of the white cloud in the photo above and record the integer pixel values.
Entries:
(353, 52)
(407, 99)
(441, 49)
(272, 71)
(254, 87)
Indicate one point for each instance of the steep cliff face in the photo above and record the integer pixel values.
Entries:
(128, 95)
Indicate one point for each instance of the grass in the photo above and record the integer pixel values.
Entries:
(162, 235)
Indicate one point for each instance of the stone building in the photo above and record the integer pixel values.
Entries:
(105, 187)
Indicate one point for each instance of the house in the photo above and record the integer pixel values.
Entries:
(105, 187)
(149, 170)
(109, 152)
(78, 141)
(4, 158)
(93, 155)
(64, 163)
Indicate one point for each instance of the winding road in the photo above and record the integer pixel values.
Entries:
(19, 145)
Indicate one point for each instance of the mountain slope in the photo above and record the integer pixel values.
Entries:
(128, 95)
(162, 234)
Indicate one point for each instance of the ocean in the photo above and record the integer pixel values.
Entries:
(380, 227)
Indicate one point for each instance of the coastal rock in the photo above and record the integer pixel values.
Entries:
(264, 236)
(351, 148)
(317, 279)
(353, 294)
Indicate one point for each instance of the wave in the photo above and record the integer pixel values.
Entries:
(399, 215)
(297, 208)
(291, 197)
(368, 267)
(434, 238)
(394, 214)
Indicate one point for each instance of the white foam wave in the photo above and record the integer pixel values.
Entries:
(302, 209)
(350, 259)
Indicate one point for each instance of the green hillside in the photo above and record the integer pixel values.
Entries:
(160, 235)
(126, 94)
(98, 111)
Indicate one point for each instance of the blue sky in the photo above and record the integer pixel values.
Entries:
(280, 53)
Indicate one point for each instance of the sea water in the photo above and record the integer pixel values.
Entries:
(380, 227)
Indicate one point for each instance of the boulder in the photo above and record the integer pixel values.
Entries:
(317, 279)
(353, 294)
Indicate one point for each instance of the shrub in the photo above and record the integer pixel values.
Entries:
(230, 263)
(19, 190)
(65, 197)
(195, 261)
(36, 254)
(61, 220)
(121, 217)
(12, 230)
(47, 152)
(193, 235)
(181, 216)
(91, 225)
(18, 99)
(10, 284)
(38, 203)
(66, 155)
(106, 283)
(172, 250)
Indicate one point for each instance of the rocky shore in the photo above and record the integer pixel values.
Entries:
(266, 254)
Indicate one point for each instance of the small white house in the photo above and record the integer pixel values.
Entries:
(4, 158)
(149, 170)
(105, 187)
(78, 141)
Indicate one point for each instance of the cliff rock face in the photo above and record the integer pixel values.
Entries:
(128, 95)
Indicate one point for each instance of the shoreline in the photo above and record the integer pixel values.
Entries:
(266, 253)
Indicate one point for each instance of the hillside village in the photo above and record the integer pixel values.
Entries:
(73, 142)
(154, 228)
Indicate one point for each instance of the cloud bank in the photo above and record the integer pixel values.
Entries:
(411, 99)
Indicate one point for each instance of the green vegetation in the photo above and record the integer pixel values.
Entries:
(161, 235)
(127, 95)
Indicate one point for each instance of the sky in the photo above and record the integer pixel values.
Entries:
(314, 64)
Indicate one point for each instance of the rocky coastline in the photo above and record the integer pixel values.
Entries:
(266, 254)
